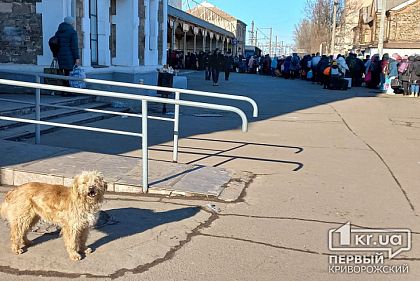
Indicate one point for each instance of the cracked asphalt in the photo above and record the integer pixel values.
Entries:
(319, 159)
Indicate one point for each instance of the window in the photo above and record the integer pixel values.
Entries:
(93, 14)
(113, 37)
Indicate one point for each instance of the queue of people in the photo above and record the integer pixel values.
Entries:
(390, 74)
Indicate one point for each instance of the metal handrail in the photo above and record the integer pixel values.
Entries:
(90, 110)
(144, 101)
(149, 87)
(145, 87)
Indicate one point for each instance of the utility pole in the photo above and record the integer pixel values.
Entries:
(256, 38)
(334, 24)
(382, 29)
(276, 48)
(252, 33)
(269, 44)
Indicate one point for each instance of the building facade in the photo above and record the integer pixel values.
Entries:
(402, 27)
(176, 4)
(124, 38)
(187, 33)
(214, 15)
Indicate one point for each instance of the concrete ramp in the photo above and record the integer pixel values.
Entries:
(21, 163)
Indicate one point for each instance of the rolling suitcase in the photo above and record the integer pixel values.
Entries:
(338, 84)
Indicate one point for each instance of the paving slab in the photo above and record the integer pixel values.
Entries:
(139, 234)
(25, 162)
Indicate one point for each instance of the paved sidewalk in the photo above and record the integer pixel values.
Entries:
(318, 160)
(123, 174)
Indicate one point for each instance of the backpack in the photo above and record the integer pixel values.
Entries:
(295, 61)
(417, 69)
(403, 67)
(54, 45)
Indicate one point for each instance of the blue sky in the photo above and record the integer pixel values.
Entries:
(281, 15)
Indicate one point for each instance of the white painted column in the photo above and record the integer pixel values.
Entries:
(195, 30)
(185, 28)
(211, 40)
(104, 31)
(151, 32)
(53, 13)
(165, 32)
(204, 40)
(217, 40)
(127, 26)
(174, 25)
(86, 54)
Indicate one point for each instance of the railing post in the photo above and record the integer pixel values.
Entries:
(145, 148)
(37, 111)
(176, 128)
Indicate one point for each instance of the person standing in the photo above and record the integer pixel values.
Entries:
(207, 66)
(404, 73)
(228, 65)
(68, 53)
(216, 63)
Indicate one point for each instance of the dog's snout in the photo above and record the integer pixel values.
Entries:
(92, 191)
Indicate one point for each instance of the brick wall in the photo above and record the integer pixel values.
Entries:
(20, 32)
(405, 25)
(400, 26)
(79, 17)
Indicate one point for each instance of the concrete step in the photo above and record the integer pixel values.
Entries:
(18, 109)
(22, 162)
(51, 114)
(28, 130)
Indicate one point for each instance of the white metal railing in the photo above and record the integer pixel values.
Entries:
(144, 101)
(177, 92)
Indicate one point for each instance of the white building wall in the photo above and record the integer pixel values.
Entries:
(127, 29)
(53, 13)
(104, 31)
(151, 32)
(165, 32)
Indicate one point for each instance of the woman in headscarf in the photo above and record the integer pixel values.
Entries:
(373, 72)
(342, 65)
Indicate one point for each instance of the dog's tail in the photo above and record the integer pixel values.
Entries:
(4, 206)
(3, 210)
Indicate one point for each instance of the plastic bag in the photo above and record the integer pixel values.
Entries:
(78, 72)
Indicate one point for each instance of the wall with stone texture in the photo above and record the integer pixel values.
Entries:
(160, 33)
(405, 24)
(142, 37)
(20, 32)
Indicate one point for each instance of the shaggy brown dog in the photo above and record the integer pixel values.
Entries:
(73, 209)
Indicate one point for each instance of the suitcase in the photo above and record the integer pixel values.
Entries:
(338, 84)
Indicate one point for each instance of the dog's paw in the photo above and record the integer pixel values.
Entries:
(27, 242)
(88, 250)
(75, 256)
(17, 250)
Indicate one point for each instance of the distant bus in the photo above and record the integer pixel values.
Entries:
(252, 51)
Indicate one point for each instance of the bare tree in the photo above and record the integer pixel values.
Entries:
(318, 22)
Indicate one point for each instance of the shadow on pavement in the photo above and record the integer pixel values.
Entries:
(125, 222)
(275, 97)
(133, 221)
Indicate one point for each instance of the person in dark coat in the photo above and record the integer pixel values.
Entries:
(228, 65)
(206, 63)
(216, 64)
(404, 73)
(414, 70)
(68, 54)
